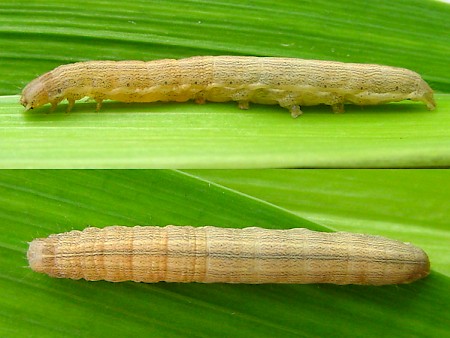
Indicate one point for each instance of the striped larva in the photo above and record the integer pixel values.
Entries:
(223, 255)
(289, 82)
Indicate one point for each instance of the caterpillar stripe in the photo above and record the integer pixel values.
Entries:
(289, 82)
(223, 255)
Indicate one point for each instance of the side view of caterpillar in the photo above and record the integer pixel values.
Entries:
(225, 255)
(288, 82)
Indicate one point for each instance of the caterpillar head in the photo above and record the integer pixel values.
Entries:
(34, 95)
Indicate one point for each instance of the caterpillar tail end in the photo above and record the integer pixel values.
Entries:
(425, 94)
(429, 101)
(422, 269)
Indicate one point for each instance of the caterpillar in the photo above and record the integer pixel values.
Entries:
(226, 255)
(288, 82)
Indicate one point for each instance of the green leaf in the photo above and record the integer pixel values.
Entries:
(38, 36)
(38, 203)
(220, 136)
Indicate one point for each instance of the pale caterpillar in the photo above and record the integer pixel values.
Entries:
(224, 255)
(289, 82)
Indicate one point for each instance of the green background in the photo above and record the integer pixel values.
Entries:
(410, 206)
(36, 36)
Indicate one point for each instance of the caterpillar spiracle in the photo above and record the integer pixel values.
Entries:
(288, 82)
(225, 255)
